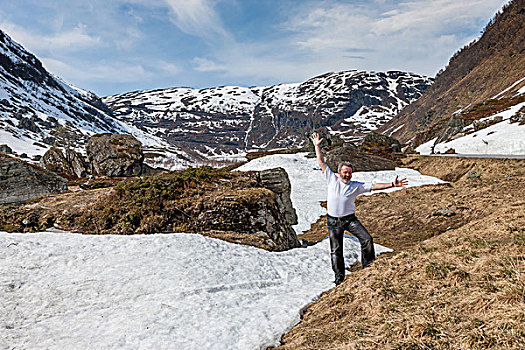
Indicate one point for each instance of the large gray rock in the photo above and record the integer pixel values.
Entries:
(279, 224)
(20, 181)
(76, 161)
(72, 163)
(360, 161)
(115, 155)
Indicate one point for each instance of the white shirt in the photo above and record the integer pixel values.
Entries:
(341, 196)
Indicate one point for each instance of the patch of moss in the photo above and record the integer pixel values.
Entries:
(148, 204)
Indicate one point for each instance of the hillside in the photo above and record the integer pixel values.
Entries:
(454, 282)
(483, 78)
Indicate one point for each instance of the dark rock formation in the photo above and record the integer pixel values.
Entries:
(519, 117)
(77, 162)
(115, 155)
(20, 181)
(264, 211)
(360, 161)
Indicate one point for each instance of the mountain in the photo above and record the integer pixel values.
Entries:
(485, 77)
(226, 122)
(38, 110)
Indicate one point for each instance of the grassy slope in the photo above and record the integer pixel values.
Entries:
(454, 282)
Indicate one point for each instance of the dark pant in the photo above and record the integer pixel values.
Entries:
(336, 228)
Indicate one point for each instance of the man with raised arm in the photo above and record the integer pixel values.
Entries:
(342, 193)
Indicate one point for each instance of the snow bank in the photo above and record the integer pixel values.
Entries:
(503, 138)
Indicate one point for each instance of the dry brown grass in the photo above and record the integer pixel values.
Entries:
(453, 283)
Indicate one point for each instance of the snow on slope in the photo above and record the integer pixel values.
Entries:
(502, 138)
(170, 291)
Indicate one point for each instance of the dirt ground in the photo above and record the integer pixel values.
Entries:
(454, 282)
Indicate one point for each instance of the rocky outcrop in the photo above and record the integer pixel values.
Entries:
(360, 161)
(264, 211)
(115, 155)
(20, 181)
(78, 164)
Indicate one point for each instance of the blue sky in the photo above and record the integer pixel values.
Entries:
(116, 46)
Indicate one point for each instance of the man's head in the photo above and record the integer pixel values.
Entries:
(344, 169)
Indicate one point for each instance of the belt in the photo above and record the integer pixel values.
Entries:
(341, 218)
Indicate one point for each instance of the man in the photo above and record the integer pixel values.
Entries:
(342, 193)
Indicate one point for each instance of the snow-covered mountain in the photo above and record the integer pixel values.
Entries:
(38, 109)
(227, 121)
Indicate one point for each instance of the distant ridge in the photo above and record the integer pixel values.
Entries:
(228, 121)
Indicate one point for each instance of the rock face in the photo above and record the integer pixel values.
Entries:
(360, 161)
(115, 155)
(277, 181)
(265, 211)
(20, 181)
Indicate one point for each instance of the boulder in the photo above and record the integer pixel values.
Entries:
(374, 140)
(115, 155)
(72, 163)
(20, 181)
(53, 160)
(360, 161)
(264, 211)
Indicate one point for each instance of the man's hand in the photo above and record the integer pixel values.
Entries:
(400, 182)
(320, 159)
(316, 140)
(396, 183)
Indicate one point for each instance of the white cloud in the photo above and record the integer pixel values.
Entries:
(206, 65)
(71, 39)
(197, 17)
(415, 35)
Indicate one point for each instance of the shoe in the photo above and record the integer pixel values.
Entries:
(339, 280)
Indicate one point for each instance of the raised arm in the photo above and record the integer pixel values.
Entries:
(396, 183)
(317, 145)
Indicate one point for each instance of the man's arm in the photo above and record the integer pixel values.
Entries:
(396, 183)
(317, 145)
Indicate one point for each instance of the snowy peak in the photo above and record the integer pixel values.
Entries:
(227, 121)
